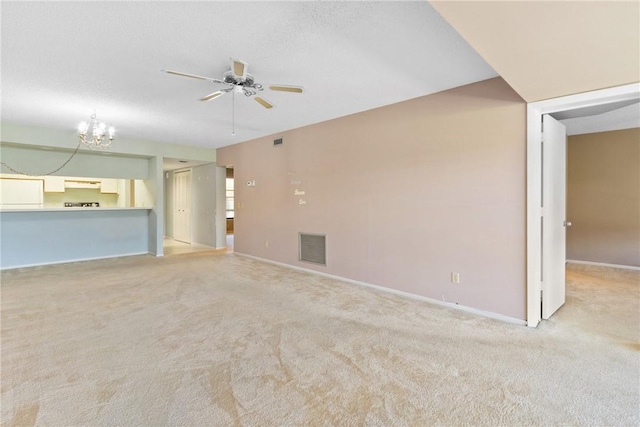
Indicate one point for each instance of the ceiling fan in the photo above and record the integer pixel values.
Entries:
(237, 80)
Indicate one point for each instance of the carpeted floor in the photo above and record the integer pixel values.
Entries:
(217, 340)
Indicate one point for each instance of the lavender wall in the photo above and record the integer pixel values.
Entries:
(406, 194)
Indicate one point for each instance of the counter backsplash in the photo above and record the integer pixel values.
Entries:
(76, 195)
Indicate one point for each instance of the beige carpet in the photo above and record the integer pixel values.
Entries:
(221, 340)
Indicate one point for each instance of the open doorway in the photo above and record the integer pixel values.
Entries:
(545, 280)
(193, 207)
(603, 192)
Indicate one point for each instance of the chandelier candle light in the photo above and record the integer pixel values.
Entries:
(99, 137)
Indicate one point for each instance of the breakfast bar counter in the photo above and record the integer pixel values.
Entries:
(83, 209)
(30, 237)
(5, 210)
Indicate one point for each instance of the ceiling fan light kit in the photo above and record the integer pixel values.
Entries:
(238, 80)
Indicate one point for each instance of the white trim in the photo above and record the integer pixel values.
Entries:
(535, 111)
(604, 264)
(488, 314)
(66, 261)
(534, 213)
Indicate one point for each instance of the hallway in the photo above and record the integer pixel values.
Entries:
(176, 247)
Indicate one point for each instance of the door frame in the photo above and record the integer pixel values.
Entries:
(535, 111)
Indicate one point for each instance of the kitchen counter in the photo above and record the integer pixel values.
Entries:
(55, 235)
(5, 209)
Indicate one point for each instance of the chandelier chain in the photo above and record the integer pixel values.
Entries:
(44, 174)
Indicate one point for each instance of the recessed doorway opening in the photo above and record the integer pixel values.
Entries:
(540, 284)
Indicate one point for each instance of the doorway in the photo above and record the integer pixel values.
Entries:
(182, 206)
(543, 251)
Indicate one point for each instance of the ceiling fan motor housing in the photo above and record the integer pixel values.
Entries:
(248, 84)
(230, 78)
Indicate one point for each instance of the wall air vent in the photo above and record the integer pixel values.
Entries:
(277, 141)
(312, 248)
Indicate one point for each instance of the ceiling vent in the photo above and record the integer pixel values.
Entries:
(312, 248)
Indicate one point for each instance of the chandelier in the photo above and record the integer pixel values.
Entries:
(100, 136)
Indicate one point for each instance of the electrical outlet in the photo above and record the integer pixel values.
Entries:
(266, 243)
(455, 277)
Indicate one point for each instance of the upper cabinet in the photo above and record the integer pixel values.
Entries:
(20, 193)
(109, 185)
(54, 190)
(54, 184)
(58, 184)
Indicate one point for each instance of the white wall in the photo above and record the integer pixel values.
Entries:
(37, 161)
(39, 137)
(156, 216)
(221, 207)
(168, 204)
(203, 204)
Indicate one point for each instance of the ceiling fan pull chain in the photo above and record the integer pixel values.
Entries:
(233, 113)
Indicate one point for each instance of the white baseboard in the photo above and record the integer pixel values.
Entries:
(66, 261)
(479, 312)
(604, 264)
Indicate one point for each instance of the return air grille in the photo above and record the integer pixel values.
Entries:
(312, 248)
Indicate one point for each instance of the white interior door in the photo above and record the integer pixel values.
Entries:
(182, 206)
(554, 206)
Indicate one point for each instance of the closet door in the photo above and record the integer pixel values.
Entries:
(182, 206)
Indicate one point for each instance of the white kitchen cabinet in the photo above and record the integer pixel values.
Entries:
(54, 184)
(21, 193)
(109, 185)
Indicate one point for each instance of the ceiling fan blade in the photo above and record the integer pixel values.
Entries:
(239, 68)
(193, 76)
(266, 104)
(285, 88)
(213, 95)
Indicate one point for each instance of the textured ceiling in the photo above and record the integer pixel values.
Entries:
(61, 60)
(549, 49)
